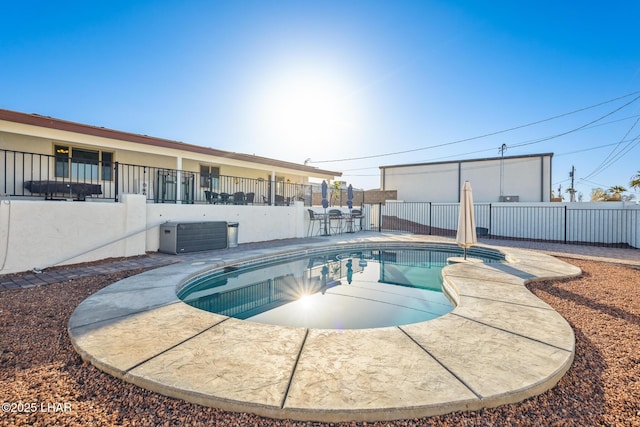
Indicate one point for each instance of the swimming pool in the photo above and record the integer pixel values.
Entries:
(499, 345)
(338, 289)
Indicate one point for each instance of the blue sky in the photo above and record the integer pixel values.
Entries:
(336, 80)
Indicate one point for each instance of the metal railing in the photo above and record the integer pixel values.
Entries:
(162, 185)
(40, 175)
(612, 227)
(32, 174)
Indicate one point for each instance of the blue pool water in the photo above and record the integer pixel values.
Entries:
(340, 289)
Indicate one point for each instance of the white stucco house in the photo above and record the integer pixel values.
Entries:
(524, 178)
(35, 148)
(72, 192)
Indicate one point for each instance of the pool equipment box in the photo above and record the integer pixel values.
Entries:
(183, 237)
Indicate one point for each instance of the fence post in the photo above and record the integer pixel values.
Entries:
(379, 217)
(4, 158)
(490, 210)
(565, 224)
(116, 180)
(430, 222)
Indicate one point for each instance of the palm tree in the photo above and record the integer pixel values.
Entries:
(635, 181)
(598, 195)
(616, 191)
(336, 190)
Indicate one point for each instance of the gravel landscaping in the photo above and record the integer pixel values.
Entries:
(44, 382)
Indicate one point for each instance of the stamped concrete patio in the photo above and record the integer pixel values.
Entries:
(501, 344)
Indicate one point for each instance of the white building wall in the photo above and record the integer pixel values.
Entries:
(528, 177)
(256, 223)
(484, 178)
(420, 183)
(41, 234)
(37, 234)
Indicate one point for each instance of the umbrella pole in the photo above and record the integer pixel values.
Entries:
(326, 220)
(465, 253)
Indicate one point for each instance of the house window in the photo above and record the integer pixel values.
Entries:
(280, 185)
(82, 164)
(107, 166)
(209, 176)
(62, 161)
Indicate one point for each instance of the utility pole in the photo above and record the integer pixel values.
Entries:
(502, 149)
(572, 191)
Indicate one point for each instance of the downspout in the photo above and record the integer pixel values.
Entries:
(116, 179)
(5, 199)
(179, 179)
(550, 177)
(459, 180)
(542, 178)
(272, 196)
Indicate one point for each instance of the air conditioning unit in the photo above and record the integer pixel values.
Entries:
(509, 198)
(183, 237)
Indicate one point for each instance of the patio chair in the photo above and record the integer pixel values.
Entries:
(239, 198)
(482, 232)
(212, 198)
(354, 221)
(225, 198)
(313, 218)
(335, 221)
(249, 199)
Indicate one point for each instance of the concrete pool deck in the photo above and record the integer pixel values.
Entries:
(501, 344)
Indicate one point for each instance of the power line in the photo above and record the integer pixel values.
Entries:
(500, 131)
(452, 168)
(579, 127)
(480, 151)
(593, 183)
(626, 149)
(585, 149)
(606, 162)
(517, 145)
(546, 138)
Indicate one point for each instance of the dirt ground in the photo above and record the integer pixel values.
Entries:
(44, 382)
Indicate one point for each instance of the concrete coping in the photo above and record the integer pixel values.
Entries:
(501, 344)
(458, 259)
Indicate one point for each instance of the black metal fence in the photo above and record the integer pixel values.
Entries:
(54, 177)
(574, 224)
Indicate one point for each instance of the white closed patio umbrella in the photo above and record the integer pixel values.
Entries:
(466, 236)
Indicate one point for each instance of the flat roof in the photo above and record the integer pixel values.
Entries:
(64, 125)
(485, 159)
